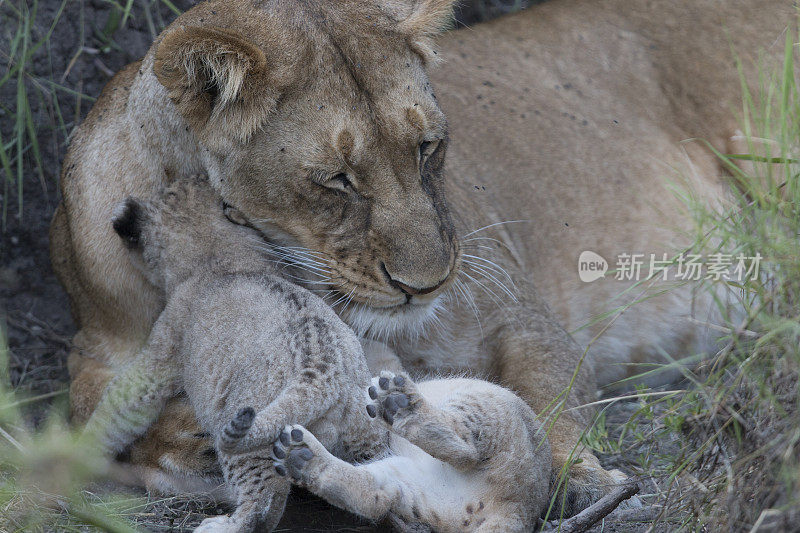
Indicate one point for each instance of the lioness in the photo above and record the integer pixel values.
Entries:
(317, 120)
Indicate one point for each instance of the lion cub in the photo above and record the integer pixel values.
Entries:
(465, 456)
(248, 348)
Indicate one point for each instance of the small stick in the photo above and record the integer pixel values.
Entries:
(597, 511)
(21, 321)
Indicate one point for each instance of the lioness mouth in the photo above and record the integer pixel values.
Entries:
(315, 272)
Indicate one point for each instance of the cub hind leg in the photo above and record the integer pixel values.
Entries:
(371, 490)
(260, 495)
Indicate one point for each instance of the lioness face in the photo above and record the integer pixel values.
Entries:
(357, 180)
(344, 168)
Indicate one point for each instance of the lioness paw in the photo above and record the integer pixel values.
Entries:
(587, 483)
(177, 447)
(631, 503)
(393, 396)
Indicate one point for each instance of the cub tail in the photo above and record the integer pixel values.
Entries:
(237, 428)
(300, 402)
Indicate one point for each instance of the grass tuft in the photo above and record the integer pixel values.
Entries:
(724, 451)
(44, 472)
(32, 103)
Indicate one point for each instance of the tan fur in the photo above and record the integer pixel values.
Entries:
(567, 116)
(190, 60)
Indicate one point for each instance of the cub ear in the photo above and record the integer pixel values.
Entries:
(426, 19)
(218, 80)
(127, 220)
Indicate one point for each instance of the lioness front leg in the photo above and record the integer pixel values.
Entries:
(537, 359)
(444, 435)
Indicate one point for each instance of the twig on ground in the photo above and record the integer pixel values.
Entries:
(597, 511)
(38, 328)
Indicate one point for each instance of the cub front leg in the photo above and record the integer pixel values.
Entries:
(443, 435)
(131, 402)
(380, 356)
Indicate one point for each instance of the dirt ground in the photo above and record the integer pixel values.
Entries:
(80, 56)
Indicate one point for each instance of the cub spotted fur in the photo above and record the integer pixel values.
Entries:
(234, 334)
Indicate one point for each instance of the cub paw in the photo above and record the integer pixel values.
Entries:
(393, 396)
(293, 452)
(236, 429)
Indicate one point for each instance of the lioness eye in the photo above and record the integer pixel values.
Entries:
(426, 148)
(340, 181)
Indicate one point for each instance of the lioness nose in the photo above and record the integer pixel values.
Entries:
(413, 291)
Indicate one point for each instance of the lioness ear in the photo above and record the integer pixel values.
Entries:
(426, 19)
(127, 221)
(217, 79)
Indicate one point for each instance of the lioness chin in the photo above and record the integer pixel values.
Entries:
(318, 121)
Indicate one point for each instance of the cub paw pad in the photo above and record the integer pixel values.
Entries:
(391, 394)
(291, 453)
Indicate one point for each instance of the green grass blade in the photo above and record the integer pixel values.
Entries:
(26, 56)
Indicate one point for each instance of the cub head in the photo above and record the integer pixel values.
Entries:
(319, 124)
(184, 227)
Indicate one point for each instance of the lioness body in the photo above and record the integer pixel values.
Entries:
(572, 116)
(568, 116)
